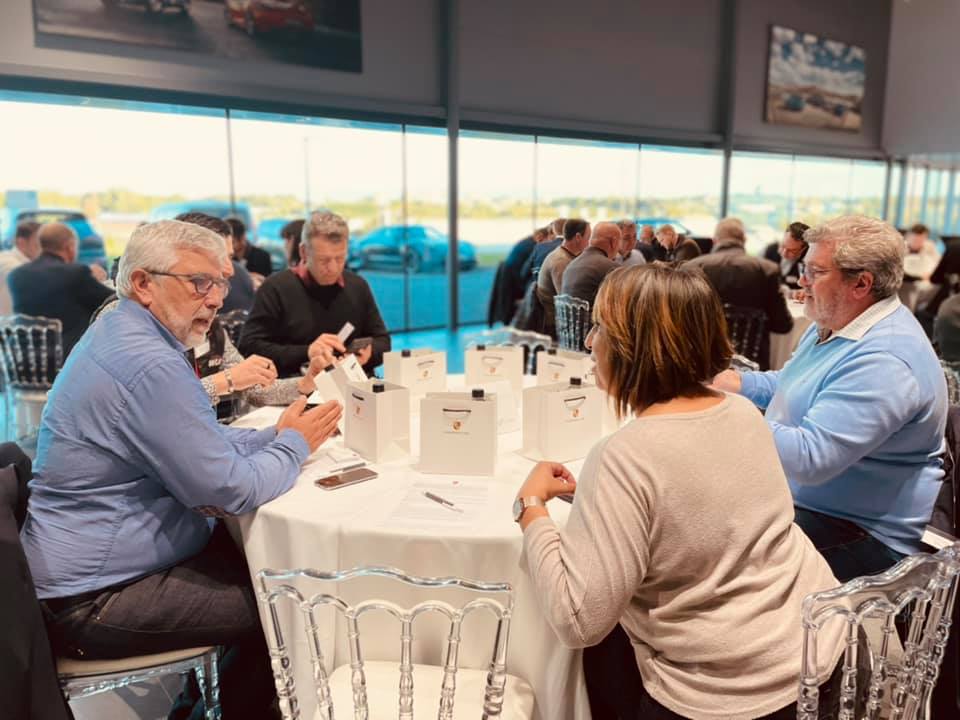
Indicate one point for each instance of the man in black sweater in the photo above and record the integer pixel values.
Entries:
(297, 313)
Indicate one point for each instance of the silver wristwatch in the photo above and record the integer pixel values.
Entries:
(522, 503)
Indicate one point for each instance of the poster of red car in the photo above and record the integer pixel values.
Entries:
(316, 33)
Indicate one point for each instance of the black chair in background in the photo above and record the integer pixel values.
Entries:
(233, 322)
(746, 328)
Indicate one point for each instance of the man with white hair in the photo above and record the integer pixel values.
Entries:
(858, 413)
(298, 313)
(132, 467)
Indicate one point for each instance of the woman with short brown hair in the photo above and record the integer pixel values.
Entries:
(682, 527)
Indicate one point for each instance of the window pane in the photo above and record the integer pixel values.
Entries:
(286, 164)
(760, 195)
(427, 240)
(590, 180)
(936, 201)
(680, 186)
(896, 172)
(114, 161)
(913, 205)
(867, 182)
(496, 195)
(821, 187)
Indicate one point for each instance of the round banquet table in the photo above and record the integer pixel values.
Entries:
(363, 524)
(782, 345)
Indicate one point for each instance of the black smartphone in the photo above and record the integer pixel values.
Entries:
(567, 497)
(358, 344)
(350, 477)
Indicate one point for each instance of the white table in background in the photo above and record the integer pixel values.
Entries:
(782, 345)
(336, 530)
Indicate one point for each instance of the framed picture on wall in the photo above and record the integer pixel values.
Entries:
(814, 82)
(316, 33)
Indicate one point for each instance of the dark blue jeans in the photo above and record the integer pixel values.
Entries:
(206, 600)
(849, 550)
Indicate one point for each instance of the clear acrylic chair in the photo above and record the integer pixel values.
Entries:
(381, 689)
(951, 372)
(573, 322)
(31, 355)
(531, 342)
(83, 678)
(920, 589)
(746, 328)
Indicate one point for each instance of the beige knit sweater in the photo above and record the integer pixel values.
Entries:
(682, 530)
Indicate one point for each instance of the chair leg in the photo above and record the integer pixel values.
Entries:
(208, 678)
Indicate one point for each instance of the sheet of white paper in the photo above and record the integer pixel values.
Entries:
(416, 511)
(329, 460)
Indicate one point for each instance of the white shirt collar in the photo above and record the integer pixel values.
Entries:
(858, 327)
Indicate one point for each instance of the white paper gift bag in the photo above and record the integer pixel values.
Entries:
(508, 402)
(325, 389)
(421, 371)
(458, 433)
(558, 366)
(561, 422)
(346, 371)
(611, 423)
(377, 424)
(485, 363)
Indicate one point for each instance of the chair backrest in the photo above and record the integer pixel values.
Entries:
(274, 586)
(31, 351)
(233, 322)
(746, 328)
(925, 587)
(951, 372)
(573, 322)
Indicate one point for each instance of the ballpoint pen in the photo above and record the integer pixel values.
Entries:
(439, 500)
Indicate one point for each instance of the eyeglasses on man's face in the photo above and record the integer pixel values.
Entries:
(202, 282)
(811, 273)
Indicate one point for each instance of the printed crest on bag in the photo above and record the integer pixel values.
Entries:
(574, 406)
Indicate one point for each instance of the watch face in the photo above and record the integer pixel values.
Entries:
(517, 510)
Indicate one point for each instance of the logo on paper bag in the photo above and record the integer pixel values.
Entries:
(425, 369)
(455, 419)
(357, 406)
(573, 407)
(492, 363)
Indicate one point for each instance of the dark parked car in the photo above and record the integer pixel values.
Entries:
(260, 16)
(151, 6)
(90, 247)
(414, 248)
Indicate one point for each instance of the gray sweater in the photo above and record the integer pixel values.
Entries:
(682, 531)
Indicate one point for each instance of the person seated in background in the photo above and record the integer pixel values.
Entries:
(576, 235)
(919, 264)
(858, 413)
(254, 259)
(132, 465)
(298, 312)
(627, 253)
(55, 285)
(669, 247)
(531, 269)
(745, 281)
(646, 241)
(26, 247)
(291, 233)
(693, 617)
(586, 272)
(791, 251)
(222, 370)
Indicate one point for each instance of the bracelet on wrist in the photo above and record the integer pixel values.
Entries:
(230, 387)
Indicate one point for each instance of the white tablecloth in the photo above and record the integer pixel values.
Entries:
(782, 345)
(340, 529)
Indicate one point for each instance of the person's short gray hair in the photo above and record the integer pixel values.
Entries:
(323, 223)
(626, 223)
(154, 247)
(864, 244)
(730, 229)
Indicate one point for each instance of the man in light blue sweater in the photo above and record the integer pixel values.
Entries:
(858, 413)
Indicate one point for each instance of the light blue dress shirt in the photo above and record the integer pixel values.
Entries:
(131, 461)
(858, 422)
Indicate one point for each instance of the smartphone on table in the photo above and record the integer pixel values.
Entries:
(350, 477)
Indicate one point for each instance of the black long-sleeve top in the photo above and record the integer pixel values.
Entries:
(291, 310)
